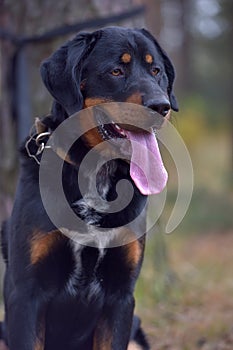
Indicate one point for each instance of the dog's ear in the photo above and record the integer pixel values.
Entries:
(170, 71)
(61, 72)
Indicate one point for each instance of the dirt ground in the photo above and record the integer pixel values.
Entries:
(198, 312)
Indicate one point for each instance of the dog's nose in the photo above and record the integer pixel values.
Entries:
(162, 107)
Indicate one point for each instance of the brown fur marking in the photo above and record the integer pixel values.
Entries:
(42, 243)
(93, 101)
(126, 58)
(39, 345)
(149, 58)
(134, 346)
(93, 138)
(133, 253)
(40, 127)
(135, 98)
(61, 153)
(102, 345)
(102, 337)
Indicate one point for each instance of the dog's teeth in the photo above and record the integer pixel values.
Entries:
(119, 129)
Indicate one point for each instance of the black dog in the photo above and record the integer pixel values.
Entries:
(60, 294)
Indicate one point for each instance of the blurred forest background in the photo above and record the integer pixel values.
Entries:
(184, 295)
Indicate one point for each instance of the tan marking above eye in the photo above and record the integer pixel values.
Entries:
(126, 58)
(149, 58)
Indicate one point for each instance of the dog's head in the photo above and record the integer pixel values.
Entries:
(111, 65)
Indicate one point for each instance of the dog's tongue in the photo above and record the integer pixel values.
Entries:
(146, 167)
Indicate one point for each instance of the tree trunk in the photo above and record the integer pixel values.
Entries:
(184, 60)
(7, 128)
(153, 16)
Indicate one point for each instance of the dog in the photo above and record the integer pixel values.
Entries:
(60, 294)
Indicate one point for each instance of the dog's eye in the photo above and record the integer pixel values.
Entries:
(117, 72)
(155, 71)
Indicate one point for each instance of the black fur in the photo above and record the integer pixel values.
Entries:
(58, 296)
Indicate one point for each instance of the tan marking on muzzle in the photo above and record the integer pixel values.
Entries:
(93, 101)
(135, 98)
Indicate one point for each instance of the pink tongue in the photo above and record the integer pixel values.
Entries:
(146, 167)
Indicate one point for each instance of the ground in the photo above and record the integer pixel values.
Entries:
(197, 310)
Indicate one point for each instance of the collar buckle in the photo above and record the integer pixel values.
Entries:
(40, 143)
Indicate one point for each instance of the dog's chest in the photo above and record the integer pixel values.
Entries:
(85, 279)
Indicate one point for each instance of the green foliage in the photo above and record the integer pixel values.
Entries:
(208, 211)
(200, 115)
(158, 277)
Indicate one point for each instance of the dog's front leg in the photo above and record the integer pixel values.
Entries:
(25, 320)
(113, 329)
